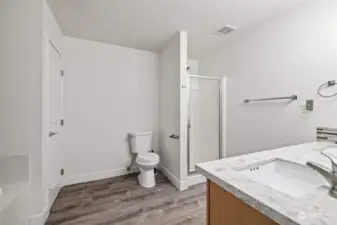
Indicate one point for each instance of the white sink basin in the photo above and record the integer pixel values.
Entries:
(287, 177)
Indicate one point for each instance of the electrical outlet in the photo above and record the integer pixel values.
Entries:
(309, 106)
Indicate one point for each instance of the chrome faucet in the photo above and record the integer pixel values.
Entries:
(329, 175)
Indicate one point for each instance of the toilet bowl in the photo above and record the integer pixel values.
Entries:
(146, 162)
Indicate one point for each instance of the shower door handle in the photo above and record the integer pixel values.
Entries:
(174, 136)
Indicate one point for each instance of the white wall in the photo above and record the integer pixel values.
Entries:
(183, 109)
(51, 28)
(20, 88)
(173, 74)
(169, 106)
(14, 169)
(291, 55)
(109, 92)
(23, 67)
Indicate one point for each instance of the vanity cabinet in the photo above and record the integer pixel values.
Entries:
(223, 208)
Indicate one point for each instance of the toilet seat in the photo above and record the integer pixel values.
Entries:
(145, 158)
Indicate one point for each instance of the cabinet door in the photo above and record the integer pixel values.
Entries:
(225, 209)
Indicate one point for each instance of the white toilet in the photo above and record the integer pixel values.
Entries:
(146, 161)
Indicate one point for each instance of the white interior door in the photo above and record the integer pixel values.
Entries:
(55, 114)
(204, 121)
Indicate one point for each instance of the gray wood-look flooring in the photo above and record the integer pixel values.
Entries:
(123, 201)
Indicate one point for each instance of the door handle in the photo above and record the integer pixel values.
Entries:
(174, 136)
(52, 133)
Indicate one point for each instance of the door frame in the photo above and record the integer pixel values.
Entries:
(48, 45)
(222, 117)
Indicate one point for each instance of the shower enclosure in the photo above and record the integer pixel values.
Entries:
(204, 120)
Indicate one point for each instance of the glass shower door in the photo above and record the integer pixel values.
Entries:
(204, 120)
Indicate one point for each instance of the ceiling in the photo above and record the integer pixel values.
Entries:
(149, 24)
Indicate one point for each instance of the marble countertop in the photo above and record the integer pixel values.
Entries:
(313, 208)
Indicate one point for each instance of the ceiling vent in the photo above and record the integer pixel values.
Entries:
(225, 30)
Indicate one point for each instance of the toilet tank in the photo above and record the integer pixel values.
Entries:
(141, 142)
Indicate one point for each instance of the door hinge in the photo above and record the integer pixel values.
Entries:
(62, 73)
(62, 172)
(62, 123)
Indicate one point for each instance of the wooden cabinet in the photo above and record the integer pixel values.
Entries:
(223, 208)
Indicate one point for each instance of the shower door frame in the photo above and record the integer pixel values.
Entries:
(220, 81)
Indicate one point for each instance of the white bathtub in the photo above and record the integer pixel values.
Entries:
(14, 180)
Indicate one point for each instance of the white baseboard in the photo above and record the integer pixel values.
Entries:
(195, 179)
(82, 178)
(41, 218)
(174, 180)
(52, 194)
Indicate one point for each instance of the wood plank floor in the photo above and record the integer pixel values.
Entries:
(123, 201)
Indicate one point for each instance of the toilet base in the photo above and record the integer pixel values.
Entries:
(146, 178)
